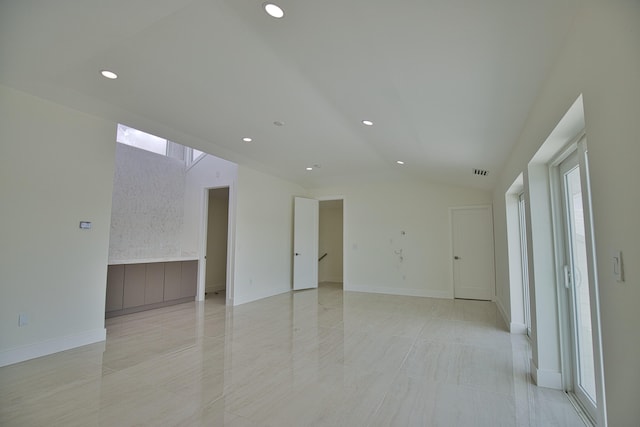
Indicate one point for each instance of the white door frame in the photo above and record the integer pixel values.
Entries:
(344, 234)
(578, 145)
(231, 239)
(451, 246)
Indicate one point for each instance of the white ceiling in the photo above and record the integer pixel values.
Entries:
(448, 83)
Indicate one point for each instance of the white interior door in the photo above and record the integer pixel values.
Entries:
(473, 269)
(305, 243)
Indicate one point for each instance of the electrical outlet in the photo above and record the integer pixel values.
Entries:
(23, 319)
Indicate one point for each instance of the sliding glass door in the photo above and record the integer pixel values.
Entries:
(576, 274)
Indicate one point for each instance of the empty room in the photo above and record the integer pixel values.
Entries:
(239, 213)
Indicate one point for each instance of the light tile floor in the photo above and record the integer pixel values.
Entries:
(312, 358)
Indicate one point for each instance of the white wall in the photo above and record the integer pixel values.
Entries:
(56, 169)
(376, 214)
(147, 206)
(264, 235)
(208, 172)
(601, 60)
(158, 204)
(330, 242)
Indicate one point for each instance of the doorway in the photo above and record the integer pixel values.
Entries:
(330, 243)
(217, 243)
(318, 242)
(472, 244)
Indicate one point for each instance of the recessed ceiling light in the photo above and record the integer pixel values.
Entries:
(367, 122)
(247, 139)
(309, 169)
(273, 10)
(400, 162)
(109, 74)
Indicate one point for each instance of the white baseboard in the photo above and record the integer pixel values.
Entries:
(546, 378)
(503, 313)
(243, 299)
(514, 327)
(334, 279)
(50, 346)
(518, 328)
(400, 291)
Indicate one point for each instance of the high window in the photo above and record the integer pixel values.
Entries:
(155, 144)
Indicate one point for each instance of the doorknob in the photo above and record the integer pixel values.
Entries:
(456, 257)
(297, 254)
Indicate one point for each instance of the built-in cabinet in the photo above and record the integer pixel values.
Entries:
(138, 287)
(172, 279)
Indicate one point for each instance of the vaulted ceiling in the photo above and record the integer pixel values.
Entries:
(448, 84)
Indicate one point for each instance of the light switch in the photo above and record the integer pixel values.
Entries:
(85, 225)
(618, 271)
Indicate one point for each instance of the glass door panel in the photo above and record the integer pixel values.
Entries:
(583, 384)
(580, 299)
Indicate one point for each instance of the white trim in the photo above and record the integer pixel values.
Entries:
(559, 250)
(411, 292)
(518, 328)
(594, 294)
(567, 150)
(202, 240)
(502, 312)
(586, 419)
(231, 242)
(329, 198)
(546, 378)
(255, 297)
(187, 157)
(202, 245)
(50, 346)
(514, 327)
(152, 260)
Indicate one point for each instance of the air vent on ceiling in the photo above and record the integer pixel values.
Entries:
(480, 172)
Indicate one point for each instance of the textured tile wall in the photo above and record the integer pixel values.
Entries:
(147, 207)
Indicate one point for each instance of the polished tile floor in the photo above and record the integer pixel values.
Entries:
(312, 358)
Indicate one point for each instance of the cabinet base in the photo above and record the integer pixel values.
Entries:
(146, 307)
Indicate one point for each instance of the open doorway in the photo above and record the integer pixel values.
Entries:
(217, 244)
(330, 243)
